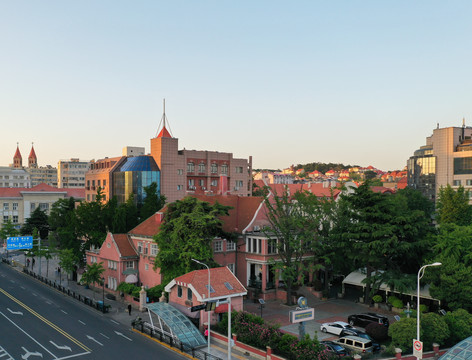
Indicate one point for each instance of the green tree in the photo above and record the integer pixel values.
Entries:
(153, 202)
(92, 222)
(451, 282)
(453, 206)
(434, 329)
(402, 333)
(293, 224)
(125, 217)
(38, 220)
(187, 232)
(93, 274)
(63, 225)
(68, 260)
(459, 323)
(8, 230)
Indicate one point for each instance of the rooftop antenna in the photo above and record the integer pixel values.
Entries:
(163, 120)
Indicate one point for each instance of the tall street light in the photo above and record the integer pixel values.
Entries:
(420, 275)
(103, 301)
(209, 287)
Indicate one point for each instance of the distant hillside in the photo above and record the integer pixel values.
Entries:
(322, 167)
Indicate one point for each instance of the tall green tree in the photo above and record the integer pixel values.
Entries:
(451, 282)
(187, 232)
(294, 223)
(63, 225)
(92, 221)
(68, 260)
(38, 220)
(93, 274)
(153, 202)
(8, 229)
(453, 206)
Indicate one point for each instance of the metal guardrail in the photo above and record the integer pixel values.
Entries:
(153, 332)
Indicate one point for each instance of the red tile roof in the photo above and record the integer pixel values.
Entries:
(16, 192)
(124, 246)
(382, 189)
(218, 276)
(150, 226)
(17, 153)
(32, 154)
(242, 212)
(318, 189)
(402, 183)
(164, 133)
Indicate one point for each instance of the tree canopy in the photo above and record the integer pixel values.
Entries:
(453, 206)
(187, 232)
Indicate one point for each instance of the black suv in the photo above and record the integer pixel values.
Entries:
(366, 318)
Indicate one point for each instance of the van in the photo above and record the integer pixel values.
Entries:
(357, 344)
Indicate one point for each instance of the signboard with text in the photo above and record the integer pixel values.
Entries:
(19, 242)
(297, 316)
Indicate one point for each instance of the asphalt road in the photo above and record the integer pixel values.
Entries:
(37, 322)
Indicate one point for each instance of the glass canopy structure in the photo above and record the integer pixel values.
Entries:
(460, 351)
(177, 324)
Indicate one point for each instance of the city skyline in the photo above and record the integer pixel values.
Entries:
(359, 83)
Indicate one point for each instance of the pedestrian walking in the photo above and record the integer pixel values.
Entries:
(206, 333)
(129, 309)
(27, 262)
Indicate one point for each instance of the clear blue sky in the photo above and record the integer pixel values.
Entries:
(353, 82)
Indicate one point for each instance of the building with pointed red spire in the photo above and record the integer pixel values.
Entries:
(17, 159)
(32, 159)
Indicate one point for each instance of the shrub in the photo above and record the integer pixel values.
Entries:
(391, 299)
(433, 329)
(459, 323)
(128, 288)
(402, 333)
(377, 298)
(424, 308)
(377, 332)
(395, 302)
(155, 292)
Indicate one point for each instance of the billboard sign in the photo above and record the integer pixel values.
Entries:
(297, 316)
(19, 242)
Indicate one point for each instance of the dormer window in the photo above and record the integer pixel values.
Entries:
(190, 167)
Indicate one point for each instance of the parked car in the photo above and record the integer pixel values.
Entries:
(364, 335)
(340, 328)
(356, 344)
(335, 348)
(367, 318)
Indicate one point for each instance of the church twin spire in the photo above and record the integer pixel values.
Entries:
(18, 159)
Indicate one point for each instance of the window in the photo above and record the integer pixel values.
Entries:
(15, 206)
(179, 291)
(15, 219)
(224, 169)
(104, 183)
(239, 184)
(140, 247)
(146, 267)
(239, 169)
(93, 259)
(189, 294)
(271, 246)
(214, 183)
(190, 167)
(248, 245)
(44, 206)
(218, 245)
(130, 264)
(5, 218)
(456, 183)
(201, 167)
(112, 264)
(230, 246)
(214, 168)
(211, 288)
(145, 249)
(180, 187)
(201, 182)
(469, 182)
(6, 206)
(153, 249)
(231, 267)
(98, 183)
(180, 171)
(191, 183)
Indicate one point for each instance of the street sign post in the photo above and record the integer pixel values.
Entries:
(19, 242)
(417, 349)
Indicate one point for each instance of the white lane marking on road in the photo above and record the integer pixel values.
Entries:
(93, 339)
(15, 312)
(73, 356)
(23, 287)
(29, 353)
(81, 322)
(4, 353)
(120, 334)
(12, 281)
(24, 332)
(34, 294)
(64, 347)
(48, 302)
(106, 337)
(116, 322)
(64, 312)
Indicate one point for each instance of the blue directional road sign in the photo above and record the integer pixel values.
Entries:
(19, 242)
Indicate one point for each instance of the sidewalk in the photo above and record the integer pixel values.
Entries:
(119, 308)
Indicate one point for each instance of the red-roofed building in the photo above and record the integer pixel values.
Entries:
(19, 203)
(191, 289)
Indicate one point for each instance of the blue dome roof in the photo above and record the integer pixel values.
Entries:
(140, 163)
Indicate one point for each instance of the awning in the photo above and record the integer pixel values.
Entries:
(186, 310)
(131, 279)
(223, 308)
(130, 271)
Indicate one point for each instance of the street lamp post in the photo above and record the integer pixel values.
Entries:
(420, 275)
(103, 301)
(209, 287)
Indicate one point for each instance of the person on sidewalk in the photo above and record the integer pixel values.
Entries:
(27, 262)
(205, 333)
(32, 264)
(129, 309)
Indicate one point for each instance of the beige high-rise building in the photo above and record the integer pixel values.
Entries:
(71, 173)
(445, 159)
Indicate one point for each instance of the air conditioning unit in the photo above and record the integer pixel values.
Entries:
(257, 228)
